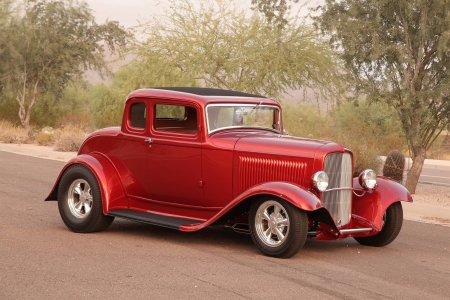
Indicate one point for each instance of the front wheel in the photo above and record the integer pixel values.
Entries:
(80, 201)
(277, 228)
(391, 226)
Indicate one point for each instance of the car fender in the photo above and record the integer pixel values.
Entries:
(294, 194)
(111, 188)
(372, 205)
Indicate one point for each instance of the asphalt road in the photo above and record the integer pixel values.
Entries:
(435, 176)
(41, 259)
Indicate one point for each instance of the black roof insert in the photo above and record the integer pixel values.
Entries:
(208, 91)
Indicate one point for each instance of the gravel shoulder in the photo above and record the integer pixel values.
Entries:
(432, 194)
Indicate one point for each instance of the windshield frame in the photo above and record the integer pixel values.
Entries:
(252, 107)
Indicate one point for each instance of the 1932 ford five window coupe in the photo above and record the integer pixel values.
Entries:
(188, 158)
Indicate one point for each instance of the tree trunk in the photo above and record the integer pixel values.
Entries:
(416, 169)
(24, 113)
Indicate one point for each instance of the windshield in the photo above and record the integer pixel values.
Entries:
(221, 116)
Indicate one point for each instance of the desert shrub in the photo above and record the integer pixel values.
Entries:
(305, 120)
(44, 138)
(69, 139)
(440, 149)
(10, 133)
(369, 130)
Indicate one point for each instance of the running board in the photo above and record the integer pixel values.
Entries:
(356, 230)
(151, 218)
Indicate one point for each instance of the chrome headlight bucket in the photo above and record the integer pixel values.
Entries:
(368, 179)
(320, 181)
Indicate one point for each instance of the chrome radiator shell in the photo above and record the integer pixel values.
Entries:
(338, 166)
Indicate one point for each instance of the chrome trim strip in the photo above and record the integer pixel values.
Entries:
(355, 230)
(344, 188)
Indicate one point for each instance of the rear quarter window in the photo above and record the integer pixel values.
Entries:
(138, 112)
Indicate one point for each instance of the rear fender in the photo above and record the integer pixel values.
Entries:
(373, 204)
(294, 194)
(112, 191)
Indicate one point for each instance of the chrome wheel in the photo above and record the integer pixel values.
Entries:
(79, 198)
(272, 223)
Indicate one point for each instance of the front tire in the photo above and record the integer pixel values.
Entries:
(80, 201)
(392, 224)
(277, 228)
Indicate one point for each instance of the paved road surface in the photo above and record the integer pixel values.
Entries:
(41, 259)
(435, 176)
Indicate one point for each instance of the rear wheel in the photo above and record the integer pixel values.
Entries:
(278, 228)
(391, 226)
(80, 201)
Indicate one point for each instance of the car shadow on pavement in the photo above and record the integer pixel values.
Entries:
(208, 236)
(218, 236)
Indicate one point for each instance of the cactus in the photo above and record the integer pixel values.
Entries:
(394, 166)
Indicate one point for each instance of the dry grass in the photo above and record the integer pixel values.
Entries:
(69, 139)
(13, 134)
(44, 138)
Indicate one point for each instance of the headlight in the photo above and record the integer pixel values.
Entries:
(320, 181)
(368, 179)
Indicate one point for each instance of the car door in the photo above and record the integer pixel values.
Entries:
(175, 154)
(130, 149)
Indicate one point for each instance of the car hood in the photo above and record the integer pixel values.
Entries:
(284, 145)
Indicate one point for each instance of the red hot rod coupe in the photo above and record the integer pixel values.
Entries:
(188, 158)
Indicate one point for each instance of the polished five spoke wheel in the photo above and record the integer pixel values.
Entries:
(80, 201)
(278, 228)
(272, 223)
(79, 198)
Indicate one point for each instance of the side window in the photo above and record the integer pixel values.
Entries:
(138, 114)
(176, 118)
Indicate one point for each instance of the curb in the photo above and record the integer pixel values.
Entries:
(33, 150)
(434, 183)
(428, 163)
(427, 213)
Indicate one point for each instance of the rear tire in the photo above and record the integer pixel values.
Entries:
(277, 228)
(392, 224)
(80, 201)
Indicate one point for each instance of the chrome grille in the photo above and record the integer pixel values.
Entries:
(254, 171)
(338, 166)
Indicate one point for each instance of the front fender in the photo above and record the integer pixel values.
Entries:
(373, 204)
(112, 191)
(292, 193)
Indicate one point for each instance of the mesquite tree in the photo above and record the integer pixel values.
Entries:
(218, 45)
(399, 53)
(54, 42)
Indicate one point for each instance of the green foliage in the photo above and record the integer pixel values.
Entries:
(306, 120)
(107, 102)
(107, 105)
(369, 130)
(7, 51)
(54, 42)
(398, 53)
(274, 10)
(218, 45)
(394, 166)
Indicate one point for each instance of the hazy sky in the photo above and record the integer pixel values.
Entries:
(127, 12)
